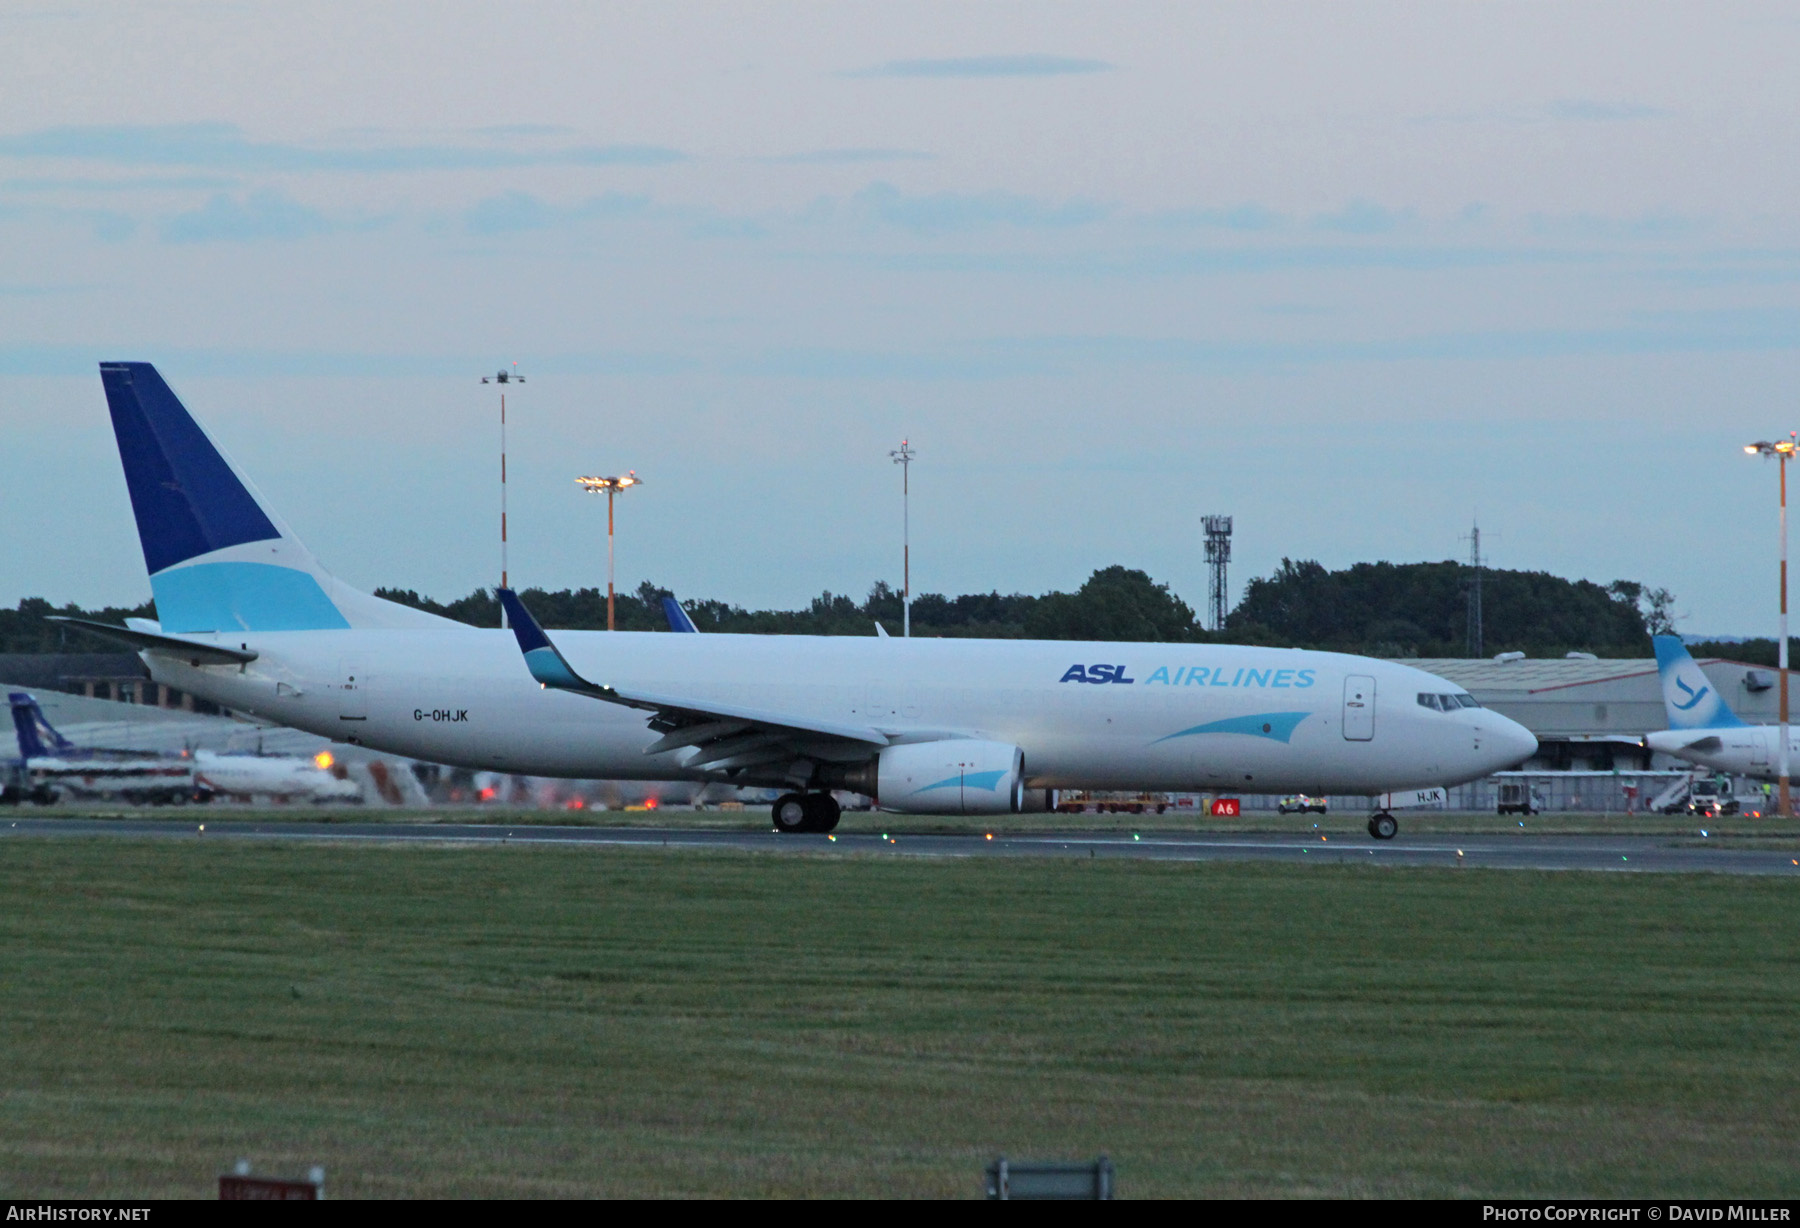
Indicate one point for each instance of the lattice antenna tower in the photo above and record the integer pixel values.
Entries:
(1218, 554)
(1476, 563)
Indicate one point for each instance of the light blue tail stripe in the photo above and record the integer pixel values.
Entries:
(242, 597)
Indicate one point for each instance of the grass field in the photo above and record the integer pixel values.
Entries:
(500, 1021)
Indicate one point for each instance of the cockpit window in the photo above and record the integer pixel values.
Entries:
(1447, 703)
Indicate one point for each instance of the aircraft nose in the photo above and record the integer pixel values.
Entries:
(1510, 742)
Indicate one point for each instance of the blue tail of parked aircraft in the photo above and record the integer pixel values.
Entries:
(218, 559)
(37, 736)
(1689, 698)
(678, 617)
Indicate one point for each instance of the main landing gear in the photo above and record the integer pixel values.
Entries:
(806, 812)
(1383, 826)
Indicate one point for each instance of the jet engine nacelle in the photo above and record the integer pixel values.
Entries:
(961, 776)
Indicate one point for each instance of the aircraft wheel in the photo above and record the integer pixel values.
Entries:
(1383, 826)
(791, 813)
(822, 812)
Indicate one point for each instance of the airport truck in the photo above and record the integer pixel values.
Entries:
(1518, 797)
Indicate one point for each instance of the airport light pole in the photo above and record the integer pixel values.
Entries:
(1783, 451)
(903, 457)
(612, 486)
(503, 377)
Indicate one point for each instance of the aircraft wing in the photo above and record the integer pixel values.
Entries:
(726, 738)
(175, 646)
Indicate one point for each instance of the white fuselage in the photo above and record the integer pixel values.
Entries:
(1742, 750)
(1280, 717)
(282, 776)
(110, 775)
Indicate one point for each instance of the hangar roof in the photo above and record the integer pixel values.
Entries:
(1534, 674)
(1559, 697)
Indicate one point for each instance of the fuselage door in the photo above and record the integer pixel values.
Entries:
(1359, 708)
(353, 691)
(1759, 750)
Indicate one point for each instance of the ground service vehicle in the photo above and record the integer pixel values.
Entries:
(1300, 803)
(1518, 797)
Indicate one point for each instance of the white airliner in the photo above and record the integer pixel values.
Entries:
(50, 766)
(250, 620)
(1702, 727)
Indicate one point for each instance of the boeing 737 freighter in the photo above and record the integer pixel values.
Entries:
(251, 621)
(1702, 727)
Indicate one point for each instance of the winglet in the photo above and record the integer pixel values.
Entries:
(678, 617)
(541, 657)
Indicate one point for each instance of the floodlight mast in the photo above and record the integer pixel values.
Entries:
(611, 486)
(903, 457)
(503, 377)
(1783, 451)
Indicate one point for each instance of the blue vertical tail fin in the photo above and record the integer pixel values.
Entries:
(37, 736)
(678, 617)
(218, 559)
(1689, 698)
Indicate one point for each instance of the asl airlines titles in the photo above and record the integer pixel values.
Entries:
(1199, 675)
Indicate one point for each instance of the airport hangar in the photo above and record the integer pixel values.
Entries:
(1590, 716)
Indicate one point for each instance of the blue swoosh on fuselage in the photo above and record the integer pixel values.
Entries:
(1276, 726)
(969, 780)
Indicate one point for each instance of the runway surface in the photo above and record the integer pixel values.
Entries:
(1522, 852)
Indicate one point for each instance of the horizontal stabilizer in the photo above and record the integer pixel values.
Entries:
(174, 646)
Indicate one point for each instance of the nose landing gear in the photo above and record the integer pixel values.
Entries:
(798, 812)
(1383, 826)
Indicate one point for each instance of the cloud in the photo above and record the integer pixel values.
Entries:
(1562, 110)
(945, 211)
(986, 66)
(224, 147)
(1723, 331)
(1239, 217)
(525, 130)
(1649, 225)
(519, 211)
(1586, 110)
(123, 183)
(260, 215)
(1361, 217)
(820, 157)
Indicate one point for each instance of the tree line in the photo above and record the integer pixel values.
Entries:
(1382, 609)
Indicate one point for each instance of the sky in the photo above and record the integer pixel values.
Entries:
(1359, 275)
